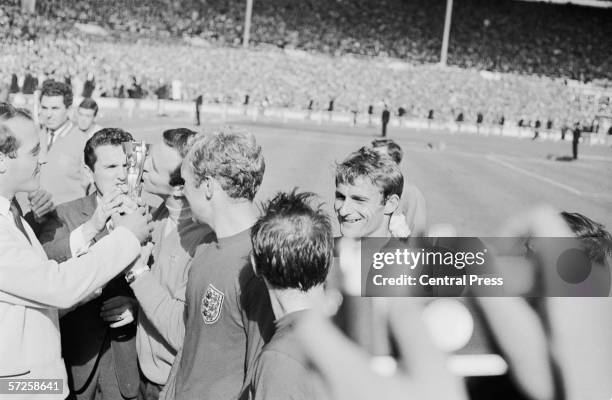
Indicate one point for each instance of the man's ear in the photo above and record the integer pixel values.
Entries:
(391, 204)
(89, 174)
(209, 187)
(178, 191)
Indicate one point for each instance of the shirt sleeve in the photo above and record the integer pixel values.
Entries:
(30, 280)
(165, 310)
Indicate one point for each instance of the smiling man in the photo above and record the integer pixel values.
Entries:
(98, 336)
(368, 190)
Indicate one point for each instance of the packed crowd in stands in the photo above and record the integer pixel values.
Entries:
(534, 42)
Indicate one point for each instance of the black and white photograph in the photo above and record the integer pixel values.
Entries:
(306, 200)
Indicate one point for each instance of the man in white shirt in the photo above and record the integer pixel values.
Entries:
(32, 288)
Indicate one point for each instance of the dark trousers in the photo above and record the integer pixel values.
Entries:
(575, 149)
(104, 384)
(149, 390)
(197, 115)
(384, 128)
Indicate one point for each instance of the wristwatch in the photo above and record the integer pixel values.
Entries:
(134, 273)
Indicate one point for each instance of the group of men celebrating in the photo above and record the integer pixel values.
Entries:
(201, 297)
(188, 293)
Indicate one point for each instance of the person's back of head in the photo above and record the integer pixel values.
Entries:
(292, 242)
(231, 157)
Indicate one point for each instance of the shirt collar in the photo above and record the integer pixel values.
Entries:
(288, 321)
(5, 206)
(63, 129)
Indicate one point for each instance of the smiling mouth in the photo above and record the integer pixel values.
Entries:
(350, 220)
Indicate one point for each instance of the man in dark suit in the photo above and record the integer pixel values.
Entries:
(98, 336)
(576, 133)
(385, 120)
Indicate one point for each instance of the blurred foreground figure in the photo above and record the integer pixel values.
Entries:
(556, 348)
(581, 328)
(544, 339)
(346, 369)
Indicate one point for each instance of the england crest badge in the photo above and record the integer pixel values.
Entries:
(212, 301)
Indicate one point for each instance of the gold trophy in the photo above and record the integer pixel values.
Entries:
(136, 154)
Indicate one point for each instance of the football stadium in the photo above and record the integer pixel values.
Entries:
(192, 191)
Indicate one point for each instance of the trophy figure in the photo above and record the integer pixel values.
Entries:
(135, 153)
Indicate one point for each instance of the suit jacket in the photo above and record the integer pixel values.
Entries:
(85, 336)
(33, 288)
(63, 175)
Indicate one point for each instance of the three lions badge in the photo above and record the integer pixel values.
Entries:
(212, 301)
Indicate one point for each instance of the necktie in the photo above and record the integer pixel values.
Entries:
(16, 211)
(51, 138)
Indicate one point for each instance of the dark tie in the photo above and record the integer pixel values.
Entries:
(16, 211)
(51, 137)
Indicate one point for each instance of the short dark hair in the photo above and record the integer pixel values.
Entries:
(89, 104)
(393, 149)
(368, 164)
(292, 242)
(233, 158)
(55, 88)
(180, 140)
(9, 144)
(593, 236)
(105, 136)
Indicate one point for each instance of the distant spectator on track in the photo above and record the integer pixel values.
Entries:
(385, 120)
(86, 117)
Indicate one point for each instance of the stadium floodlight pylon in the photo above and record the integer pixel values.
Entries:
(446, 36)
(247, 24)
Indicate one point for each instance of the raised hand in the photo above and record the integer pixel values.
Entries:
(109, 204)
(138, 222)
(41, 203)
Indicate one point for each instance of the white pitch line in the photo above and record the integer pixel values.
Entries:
(536, 176)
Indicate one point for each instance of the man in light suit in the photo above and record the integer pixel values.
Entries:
(63, 174)
(32, 287)
(98, 337)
